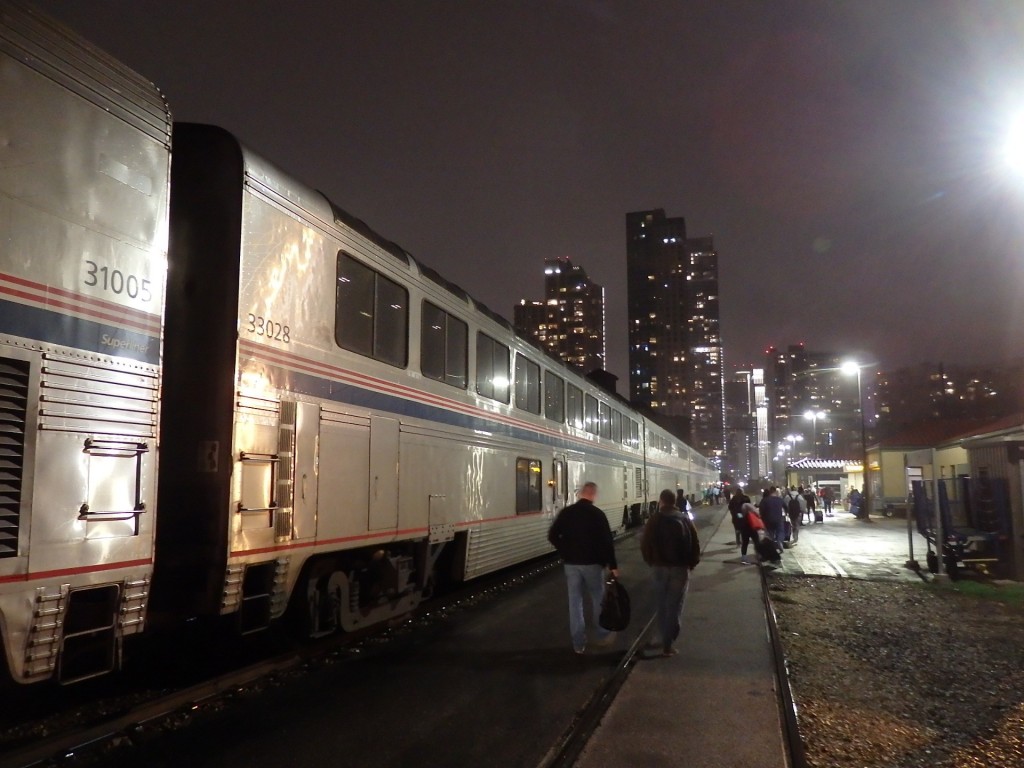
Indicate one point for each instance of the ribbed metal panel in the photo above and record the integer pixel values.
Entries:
(13, 411)
(81, 397)
(52, 49)
(993, 459)
(501, 544)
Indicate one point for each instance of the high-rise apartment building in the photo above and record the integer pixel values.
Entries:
(569, 321)
(740, 459)
(814, 405)
(675, 348)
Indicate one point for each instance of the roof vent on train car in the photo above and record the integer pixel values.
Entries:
(499, 319)
(359, 226)
(606, 380)
(434, 277)
(13, 413)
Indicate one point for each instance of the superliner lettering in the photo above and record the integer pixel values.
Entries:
(112, 341)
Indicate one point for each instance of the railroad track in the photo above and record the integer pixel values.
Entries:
(95, 738)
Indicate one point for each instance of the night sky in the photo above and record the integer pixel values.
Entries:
(845, 156)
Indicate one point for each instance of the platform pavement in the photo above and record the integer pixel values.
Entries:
(715, 704)
(842, 545)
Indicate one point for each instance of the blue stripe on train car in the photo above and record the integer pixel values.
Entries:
(335, 391)
(63, 330)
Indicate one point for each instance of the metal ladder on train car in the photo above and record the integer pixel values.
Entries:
(133, 605)
(44, 636)
(275, 599)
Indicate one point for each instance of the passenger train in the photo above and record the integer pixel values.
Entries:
(222, 397)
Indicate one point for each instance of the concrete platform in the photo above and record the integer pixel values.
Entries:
(713, 705)
(842, 545)
(716, 704)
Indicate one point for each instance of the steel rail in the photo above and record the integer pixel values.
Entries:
(87, 738)
(787, 704)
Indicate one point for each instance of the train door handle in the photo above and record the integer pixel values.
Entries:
(304, 487)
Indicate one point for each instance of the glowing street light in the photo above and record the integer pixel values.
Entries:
(855, 367)
(1013, 149)
(814, 416)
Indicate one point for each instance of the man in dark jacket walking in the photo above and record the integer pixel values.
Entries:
(773, 512)
(583, 538)
(736, 503)
(671, 547)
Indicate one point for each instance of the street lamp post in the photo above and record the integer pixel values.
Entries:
(854, 367)
(814, 416)
(791, 448)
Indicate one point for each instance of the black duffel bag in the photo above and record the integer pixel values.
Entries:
(615, 606)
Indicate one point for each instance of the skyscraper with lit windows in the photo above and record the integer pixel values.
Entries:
(569, 322)
(675, 348)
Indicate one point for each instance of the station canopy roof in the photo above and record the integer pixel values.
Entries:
(837, 465)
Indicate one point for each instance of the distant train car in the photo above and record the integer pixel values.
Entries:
(340, 429)
(343, 427)
(84, 175)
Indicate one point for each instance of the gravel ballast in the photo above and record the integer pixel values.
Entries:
(901, 674)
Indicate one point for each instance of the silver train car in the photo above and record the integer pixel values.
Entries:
(343, 428)
(340, 430)
(84, 193)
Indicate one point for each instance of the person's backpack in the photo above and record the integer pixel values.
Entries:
(793, 506)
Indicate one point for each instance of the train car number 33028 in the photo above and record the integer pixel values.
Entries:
(263, 326)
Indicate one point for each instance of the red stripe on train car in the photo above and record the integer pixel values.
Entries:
(144, 321)
(101, 568)
(323, 542)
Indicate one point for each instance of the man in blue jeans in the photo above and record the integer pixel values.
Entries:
(671, 547)
(773, 512)
(583, 538)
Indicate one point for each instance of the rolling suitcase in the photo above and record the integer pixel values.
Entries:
(767, 549)
(819, 516)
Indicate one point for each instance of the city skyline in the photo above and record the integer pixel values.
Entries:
(844, 158)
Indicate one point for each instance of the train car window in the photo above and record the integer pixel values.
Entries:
(591, 420)
(604, 412)
(527, 384)
(574, 406)
(492, 368)
(554, 397)
(371, 313)
(528, 486)
(616, 426)
(443, 346)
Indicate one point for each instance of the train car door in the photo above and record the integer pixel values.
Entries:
(307, 439)
(383, 510)
(559, 483)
